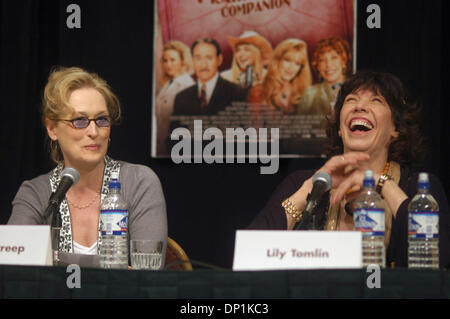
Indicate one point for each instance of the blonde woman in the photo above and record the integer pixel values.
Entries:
(332, 62)
(251, 55)
(288, 76)
(177, 69)
(79, 109)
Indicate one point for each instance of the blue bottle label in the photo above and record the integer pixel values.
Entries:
(369, 221)
(114, 221)
(423, 225)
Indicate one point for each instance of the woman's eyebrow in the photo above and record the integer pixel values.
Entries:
(101, 113)
(87, 115)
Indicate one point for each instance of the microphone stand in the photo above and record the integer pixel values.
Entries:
(321, 184)
(55, 226)
(55, 232)
(305, 223)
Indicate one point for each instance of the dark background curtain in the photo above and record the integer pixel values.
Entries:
(206, 203)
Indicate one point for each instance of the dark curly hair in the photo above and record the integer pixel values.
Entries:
(408, 148)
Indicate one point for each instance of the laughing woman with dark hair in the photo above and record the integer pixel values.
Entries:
(374, 126)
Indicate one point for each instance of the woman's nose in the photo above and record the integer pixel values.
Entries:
(92, 129)
(361, 105)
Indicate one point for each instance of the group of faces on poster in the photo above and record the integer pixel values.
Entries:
(280, 77)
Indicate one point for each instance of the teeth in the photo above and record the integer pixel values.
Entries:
(362, 123)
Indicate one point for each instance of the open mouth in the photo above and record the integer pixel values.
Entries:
(360, 125)
(244, 63)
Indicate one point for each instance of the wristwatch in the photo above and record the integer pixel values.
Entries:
(381, 181)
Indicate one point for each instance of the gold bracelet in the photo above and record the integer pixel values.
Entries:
(291, 210)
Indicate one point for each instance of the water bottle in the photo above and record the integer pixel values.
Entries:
(114, 227)
(368, 218)
(423, 227)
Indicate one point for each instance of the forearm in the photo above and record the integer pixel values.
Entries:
(299, 201)
(393, 196)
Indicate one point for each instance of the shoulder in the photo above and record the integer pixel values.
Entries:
(314, 90)
(163, 88)
(226, 75)
(30, 201)
(294, 180)
(185, 80)
(225, 83)
(184, 98)
(37, 187)
(235, 89)
(187, 91)
(141, 188)
(136, 173)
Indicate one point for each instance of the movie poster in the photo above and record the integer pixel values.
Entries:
(250, 64)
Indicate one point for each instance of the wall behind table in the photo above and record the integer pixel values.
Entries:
(206, 203)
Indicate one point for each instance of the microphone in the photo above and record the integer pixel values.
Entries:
(321, 184)
(248, 76)
(69, 177)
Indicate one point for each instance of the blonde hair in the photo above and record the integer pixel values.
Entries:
(185, 56)
(61, 83)
(273, 83)
(257, 67)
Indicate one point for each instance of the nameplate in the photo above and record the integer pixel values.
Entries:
(25, 245)
(279, 250)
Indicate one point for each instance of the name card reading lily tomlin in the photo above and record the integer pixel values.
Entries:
(279, 249)
(25, 245)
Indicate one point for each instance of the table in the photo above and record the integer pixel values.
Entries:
(51, 282)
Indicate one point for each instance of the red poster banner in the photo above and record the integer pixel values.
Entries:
(250, 64)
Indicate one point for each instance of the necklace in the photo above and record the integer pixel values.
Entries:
(83, 206)
(386, 168)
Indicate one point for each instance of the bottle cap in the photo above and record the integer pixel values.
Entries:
(368, 174)
(114, 181)
(368, 179)
(423, 177)
(423, 182)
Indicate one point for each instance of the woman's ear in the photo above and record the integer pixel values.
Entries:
(50, 125)
(395, 135)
